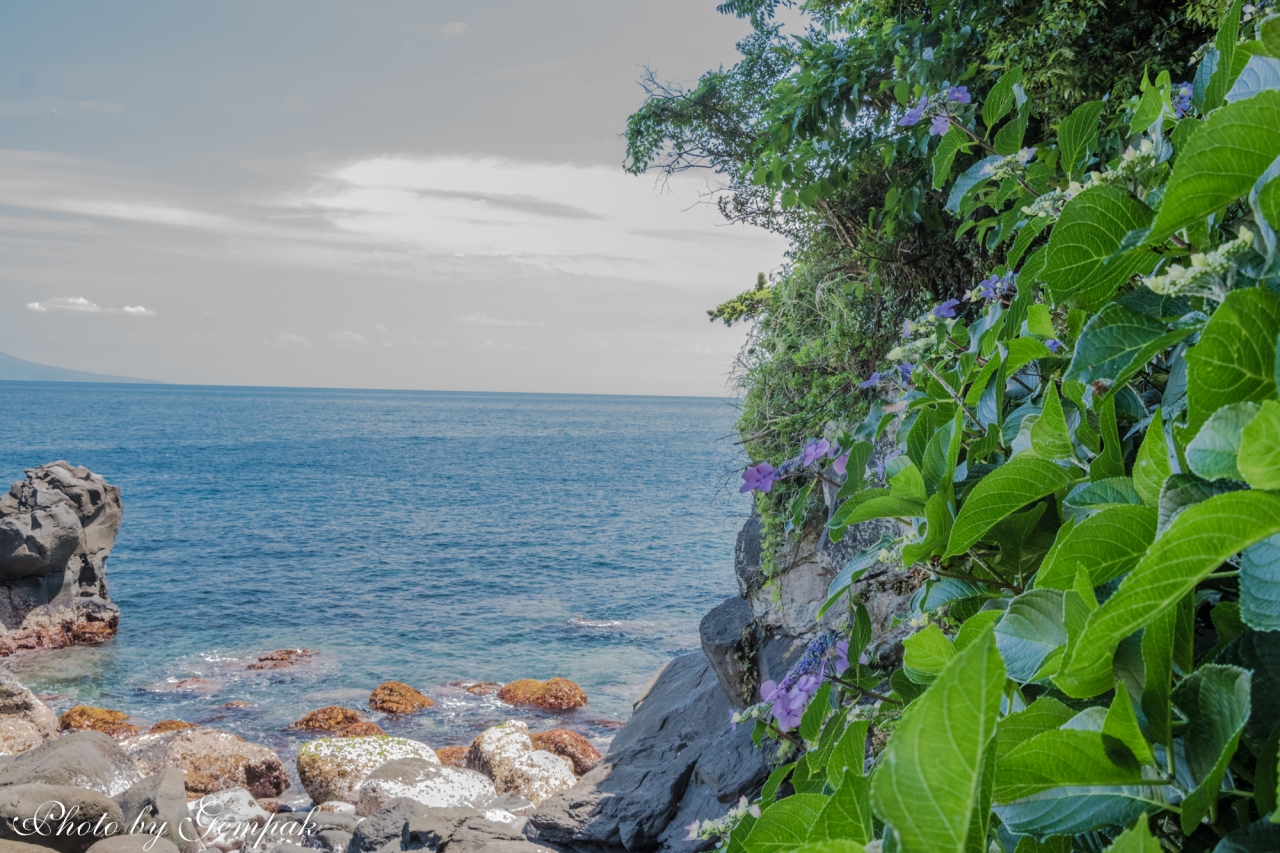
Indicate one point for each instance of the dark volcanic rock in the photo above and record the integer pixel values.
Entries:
(727, 641)
(80, 760)
(86, 810)
(160, 799)
(56, 530)
(677, 756)
(748, 556)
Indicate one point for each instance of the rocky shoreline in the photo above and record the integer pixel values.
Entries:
(676, 761)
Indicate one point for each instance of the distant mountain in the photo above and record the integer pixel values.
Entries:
(29, 371)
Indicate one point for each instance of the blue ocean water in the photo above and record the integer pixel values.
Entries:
(424, 537)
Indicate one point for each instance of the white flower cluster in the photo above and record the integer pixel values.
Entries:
(711, 829)
(1135, 165)
(1210, 275)
(919, 337)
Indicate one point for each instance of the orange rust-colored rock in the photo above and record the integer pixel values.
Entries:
(170, 726)
(453, 756)
(361, 730)
(87, 717)
(330, 719)
(570, 745)
(555, 694)
(396, 697)
(238, 703)
(281, 658)
(478, 688)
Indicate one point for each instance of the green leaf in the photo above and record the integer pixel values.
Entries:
(1220, 162)
(1260, 74)
(1116, 343)
(784, 825)
(1215, 700)
(1029, 630)
(1157, 668)
(840, 846)
(1201, 538)
(1235, 360)
(1259, 460)
(1151, 468)
(941, 454)
(1121, 725)
(849, 754)
(1184, 490)
(1261, 836)
(1039, 322)
(1050, 438)
(931, 771)
(1077, 810)
(1151, 109)
(1260, 585)
(1077, 134)
(1259, 653)
(1081, 269)
(816, 714)
(1061, 758)
(1269, 35)
(926, 654)
(1116, 491)
(1000, 99)
(1105, 545)
(1023, 479)
(1137, 839)
(1042, 715)
(950, 145)
(1225, 45)
(1212, 453)
(847, 816)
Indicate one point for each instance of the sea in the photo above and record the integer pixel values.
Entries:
(440, 539)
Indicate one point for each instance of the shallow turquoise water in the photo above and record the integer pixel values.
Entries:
(422, 537)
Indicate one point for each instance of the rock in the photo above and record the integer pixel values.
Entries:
(18, 735)
(328, 719)
(78, 760)
(464, 830)
(729, 642)
(157, 805)
(281, 659)
(7, 846)
(315, 828)
(365, 729)
(337, 807)
(20, 704)
(506, 755)
(212, 760)
(90, 815)
(136, 843)
(453, 756)
(89, 718)
(478, 688)
(332, 840)
(429, 783)
(238, 703)
(748, 556)
(335, 768)
(170, 726)
(676, 756)
(512, 804)
(384, 826)
(225, 819)
(56, 531)
(396, 697)
(555, 694)
(566, 744)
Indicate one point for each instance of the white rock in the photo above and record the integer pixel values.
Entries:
(430, 784)
(506, 755)
(335, 768)
(337, 807)
(227, 820)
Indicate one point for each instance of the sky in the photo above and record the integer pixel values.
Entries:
(419, 194)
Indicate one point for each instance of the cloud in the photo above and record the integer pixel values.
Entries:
(287, 339)
(348, 339)
(454, 28)
(486, 320)
(81, 305)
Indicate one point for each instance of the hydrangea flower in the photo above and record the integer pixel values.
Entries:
(959, 94)
(871, 381)
(1054, 345)
(1182, 93)
(994, 286)
(940, 125)
(842, 657)
(905, 370)
(841, 464)
(758, 478)
(947, 309)
(913, 115)
(1026, 155)
(813, 451)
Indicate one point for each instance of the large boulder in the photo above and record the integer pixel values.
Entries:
(335, 768)
(212, 761)
(25, 721)
(403, 825)
(729, 642)
(105, 720)
(57, 528)
(396, 697)
(80, 760)
(554, 694)
(133, 843)
(157, 805)
(676, 761)
(224, 819)
(66, 819)
(422, 781)
(506, 755)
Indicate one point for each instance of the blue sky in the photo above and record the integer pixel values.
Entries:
(390, 194)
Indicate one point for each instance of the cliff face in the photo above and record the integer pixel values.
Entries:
(56, 530)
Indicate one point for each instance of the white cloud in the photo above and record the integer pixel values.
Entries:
(287, 339)
(84, 306)
(349, 339)
(486, 320)
(454, 28)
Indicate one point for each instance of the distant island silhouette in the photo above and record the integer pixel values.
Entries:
(21, 370)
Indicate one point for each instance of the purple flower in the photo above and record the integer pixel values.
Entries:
(946, 309)
(842, 657)
(733, 721)
(693, 832)
(813, 451)
(770, 690)
(1026, 155)
(940, 125)
(841, 464)
(914, 114)
(959, 94)
(1054, 345)
(995, 286)
(873, 380)
(905, 369)
(1182, 99)
(758, 478)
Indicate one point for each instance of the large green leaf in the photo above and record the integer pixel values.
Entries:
(1224, 48)
(1137, 839)
(841, 846)
(1077, 133)
(1030, 629)
(1085, 265)
(1185, 490)
(1050, 438)
(1259, 460)
(931, 771)
(1261, 836)
(848, 814)
(1116, 343)
(1260, 74)
(1040, 716)
(926, 654)
(1259, 653)
(1235, 360)
(1076, 810)
(1057, 759)
(955, 141)
(1000, 100)
(1106, 545)
(1212, 453)
(1215, 700)
(1122, 735)
(1151, 468)
(1157, 668)
(1201, 538)
(1260, 585)
(785, 825)
(1220, 162)
(1023, 479)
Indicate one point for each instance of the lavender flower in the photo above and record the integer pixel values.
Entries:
(873, 380)
(1054, 345)
(841, 464)
(946, 309)
(842, 657)
(758, 478)
(905, 370)
(940, 125)
(959, 94)
(1026, 155)
(1182, 99)
(913, 115)
(813, 451)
